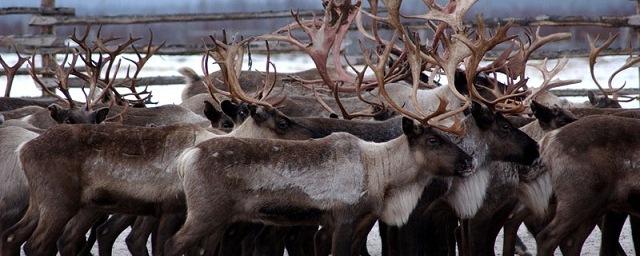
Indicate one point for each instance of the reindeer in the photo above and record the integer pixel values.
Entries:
(612, 223)
(14, 189)
(339, 205)
(579, 198)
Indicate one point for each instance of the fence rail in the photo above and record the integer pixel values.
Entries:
(64, 11)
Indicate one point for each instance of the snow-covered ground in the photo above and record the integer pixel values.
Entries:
(577, 68)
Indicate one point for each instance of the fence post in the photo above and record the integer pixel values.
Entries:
(47, 59)
(638, 40)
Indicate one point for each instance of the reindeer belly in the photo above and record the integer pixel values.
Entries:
(133, 190)
(281, 208)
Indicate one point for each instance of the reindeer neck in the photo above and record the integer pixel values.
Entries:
(248, 129)
(534, 130)
(389, 164)
(472, 142)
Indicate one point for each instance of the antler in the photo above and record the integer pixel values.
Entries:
(323, 40)
(593, 55)
(10, 71)
(229, 58)
(548, 75)
(132, 80)
(518, 62)
(94, 68)
(478, 49)
(62, 75)
(429, 120)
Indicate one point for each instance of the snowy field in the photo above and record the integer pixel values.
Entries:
(170, 94)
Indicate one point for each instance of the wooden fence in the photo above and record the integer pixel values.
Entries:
(48, 16)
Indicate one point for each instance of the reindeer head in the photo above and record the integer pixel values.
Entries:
(219, 119)
(602, 101)
(505, 142)
(551, 118)
(237, 112)
(275, 124)
(77, 115)
(435, 152)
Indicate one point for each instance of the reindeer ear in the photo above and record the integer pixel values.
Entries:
(461, 82)
(410, 128)
(99, 115)
(257, 113)
(229, 108)
(56, 112)
(483, 116)
(542, 112)
(592, 98)
(211, 112)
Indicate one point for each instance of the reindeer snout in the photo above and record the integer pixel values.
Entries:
(465, 167)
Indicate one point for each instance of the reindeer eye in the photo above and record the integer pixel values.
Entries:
(433, 141)
(227, 124)
(282, 124)
(506, 127)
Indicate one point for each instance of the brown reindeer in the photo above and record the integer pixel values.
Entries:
(338, 205)
(584, 166)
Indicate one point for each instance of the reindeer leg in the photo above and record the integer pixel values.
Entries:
(93, 235)
(270, 241)
(197, 225)
(141, 229)
(322, 241)
(511, 231)
(167, 226)
(12, 213)
(249, 240)
(510, 237)
(389, 237)
(635, 232)
(13, 237)
(611, 227)
(571, 212)
(108, 232)
(73, 236)
(343, 236)
(236, 233)
(54, 215)
(299, 240)
(572, 245)
(208, 221)
(362, 230)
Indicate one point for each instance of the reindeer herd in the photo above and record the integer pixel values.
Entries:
(439, 148)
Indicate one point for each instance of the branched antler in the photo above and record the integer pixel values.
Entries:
(323, 40)
(548, 77)
(150, 50)
(593, 55)
(432, 119)
(229, 57)
(62, 76)
(10, 71)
